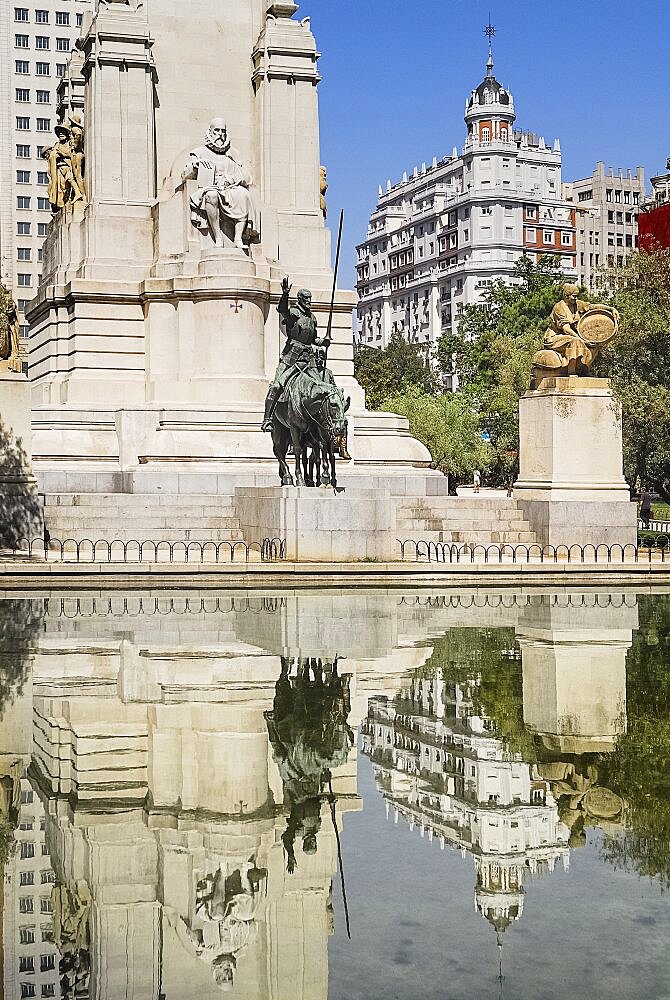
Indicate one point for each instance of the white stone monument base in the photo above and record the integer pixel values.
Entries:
(319, 525)
(571, 486)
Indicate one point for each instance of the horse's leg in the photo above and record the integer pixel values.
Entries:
(333, 472)
(280, 447)
(298, 449)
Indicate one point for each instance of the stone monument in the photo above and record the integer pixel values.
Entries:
(154, 333)
(571, 486)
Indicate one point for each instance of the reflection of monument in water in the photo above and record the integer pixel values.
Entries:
(441, 766)
(187, 774)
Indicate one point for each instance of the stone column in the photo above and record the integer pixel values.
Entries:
(571, 486)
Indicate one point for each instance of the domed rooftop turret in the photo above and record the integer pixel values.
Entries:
(489, 111)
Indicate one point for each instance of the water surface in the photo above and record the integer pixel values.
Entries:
(337, 795)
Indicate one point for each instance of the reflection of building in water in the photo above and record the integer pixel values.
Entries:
(169, 803)
(30, 956)
(440, 768)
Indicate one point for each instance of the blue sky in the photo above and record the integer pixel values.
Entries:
(396, 75)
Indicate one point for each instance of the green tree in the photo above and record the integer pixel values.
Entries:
(638, 364)
(493, 350)
(448, 426)
(395, 369)
(639, 768)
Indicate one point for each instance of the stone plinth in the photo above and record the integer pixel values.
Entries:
(571, 486)
(319, 525)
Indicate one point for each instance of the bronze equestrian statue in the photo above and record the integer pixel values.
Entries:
(304, 408)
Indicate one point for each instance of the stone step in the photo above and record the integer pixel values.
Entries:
(159, 535)
(461, 538)
(99, 522)
(134, 500)
(484, 523)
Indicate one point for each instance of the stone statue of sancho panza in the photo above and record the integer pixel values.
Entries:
(224, 184)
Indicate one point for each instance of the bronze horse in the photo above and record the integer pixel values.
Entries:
(310, 414)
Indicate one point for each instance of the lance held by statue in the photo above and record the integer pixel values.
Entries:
(304, 408)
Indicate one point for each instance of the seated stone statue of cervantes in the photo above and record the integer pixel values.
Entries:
(224, 192)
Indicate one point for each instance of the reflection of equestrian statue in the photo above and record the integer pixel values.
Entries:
(578, 330)
(310, 736)
(304, 407)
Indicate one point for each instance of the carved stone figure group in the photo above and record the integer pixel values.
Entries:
(10, 330)
(65, 163)
(304, 408)
(577, 332)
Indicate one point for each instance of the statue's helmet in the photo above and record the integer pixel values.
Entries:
(569, 290)
(62, 131)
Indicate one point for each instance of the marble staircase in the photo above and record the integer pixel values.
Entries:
(141, 517)
(468, 520)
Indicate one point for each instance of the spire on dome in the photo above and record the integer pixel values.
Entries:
(490, 31)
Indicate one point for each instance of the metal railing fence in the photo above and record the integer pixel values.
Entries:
(88, 550)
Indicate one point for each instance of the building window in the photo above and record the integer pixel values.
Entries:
(566, 239)
(63, 17)
(43, 97)
(62, 44)
(43, 124)
(608, 194)
(636, 198)
(25, 902)
(24, 253)
(531, 235)
(23, 152)
(26, 878)
(45, 904)
(23, 229)
(531, 212)
(20, 13)
(42, 228)
(27, 935)
(548, 237)
(42, 69)
(21, 41)
(486, 134)
(47, 932)
(26, 963)
(48, 989)
(42, 177)
(27, 848)
(22, 95)
(23, 201)
(585, 195)
(617, 196)
(41, 41)
(22, 67)
(25, 281)
(41, 16)
(60, 69)
(47, 963)
(27, 990)
(23, 177)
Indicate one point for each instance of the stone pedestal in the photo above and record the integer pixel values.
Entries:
(571, 486)
(320, 526)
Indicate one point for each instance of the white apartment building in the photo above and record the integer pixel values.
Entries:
(35, 41)
(30, 959)
(606, 209)
(440, 237)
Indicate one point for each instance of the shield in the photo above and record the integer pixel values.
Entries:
(597, 326)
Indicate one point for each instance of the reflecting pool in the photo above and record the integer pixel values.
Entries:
(335, 795)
